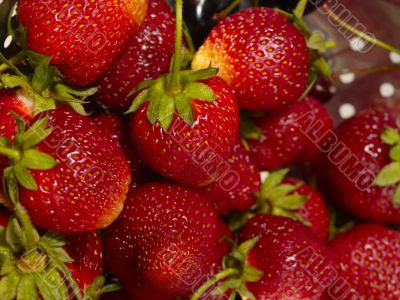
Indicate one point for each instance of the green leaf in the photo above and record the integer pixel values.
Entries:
(53, 240)
(139, 100)
(45, 288)
(153, 108)
(42, 104)
(390, 136)
(251, 274)
(245, 293)
(15, 236)
(7, 264)
(78, 108)
(24, 177)
(322, 65)
(389, 175)
(13, 81)
(317, 42)
(27, 288)
(10, 184)
(36, 160)
(200, 74)
(200, 91)
(43, 76)
(246, 246)
(395, 153)
(274, 179)
(35, 134)
(396, 196)
(184, 107)
(141, 86)
(249, 130)
(280, 191)
(166, 111)
(291, 202)
(312, 79)
(8, 286)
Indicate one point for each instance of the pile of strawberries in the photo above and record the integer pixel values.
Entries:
(131, 163)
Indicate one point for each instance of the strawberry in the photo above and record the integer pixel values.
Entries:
(148, 55)
(55, 268)
(117, 128)
(295, 264)
(261, 55)
(72, 177)
(185, 121)
(359, 168)
(77, 36)
(288, 197)
(369, 260)
(86, 250)
(289, 135)
(235, 193)
(166, 242)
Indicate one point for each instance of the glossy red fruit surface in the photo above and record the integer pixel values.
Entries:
(235, 194)
(290, 135)
(148, 55)
(261, 55)
(369, 260)
(352, 158)
(296, 265)
(166, 242)
(83, 38)
(87, 189)
(190, 154)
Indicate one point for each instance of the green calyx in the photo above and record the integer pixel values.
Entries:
(24, 157)
(276, 198)
(37, 273)
(390, 174)
(173, 92)
(99, 287)
(236, 272)
(163, 103)
(43, 83)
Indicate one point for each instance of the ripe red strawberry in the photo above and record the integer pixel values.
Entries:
(261, 55)
(84, 189)
(78, 36)
(190, 154)
(148, 55)
(166, 242)
(290, 135)
(369, 259)
(185, 121)
(86, 250)
(360, 169)
(294, 263)
(288, 197)
(235, 192)
(118, 129)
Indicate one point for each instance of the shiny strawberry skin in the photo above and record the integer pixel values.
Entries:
(314, 209)
(285, 139)
(87, 189)
(369, 259)
(118, 129)
(361, 135)
(237, 195)
(187, 154)
(148, 55)
(86, 250)
(166, 242)
(83, 37)
(294, 262)
(261, 55)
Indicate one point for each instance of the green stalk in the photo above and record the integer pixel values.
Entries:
(174, 82)
(300, 8)
(14, 60)
(10, 153)
(32, 236)
(208, 284)
(223, 14)
(361, 34)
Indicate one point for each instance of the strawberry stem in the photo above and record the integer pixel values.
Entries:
(215, 279)
(174, 82)
(359, 33)
(223, 14)
(32, 236)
